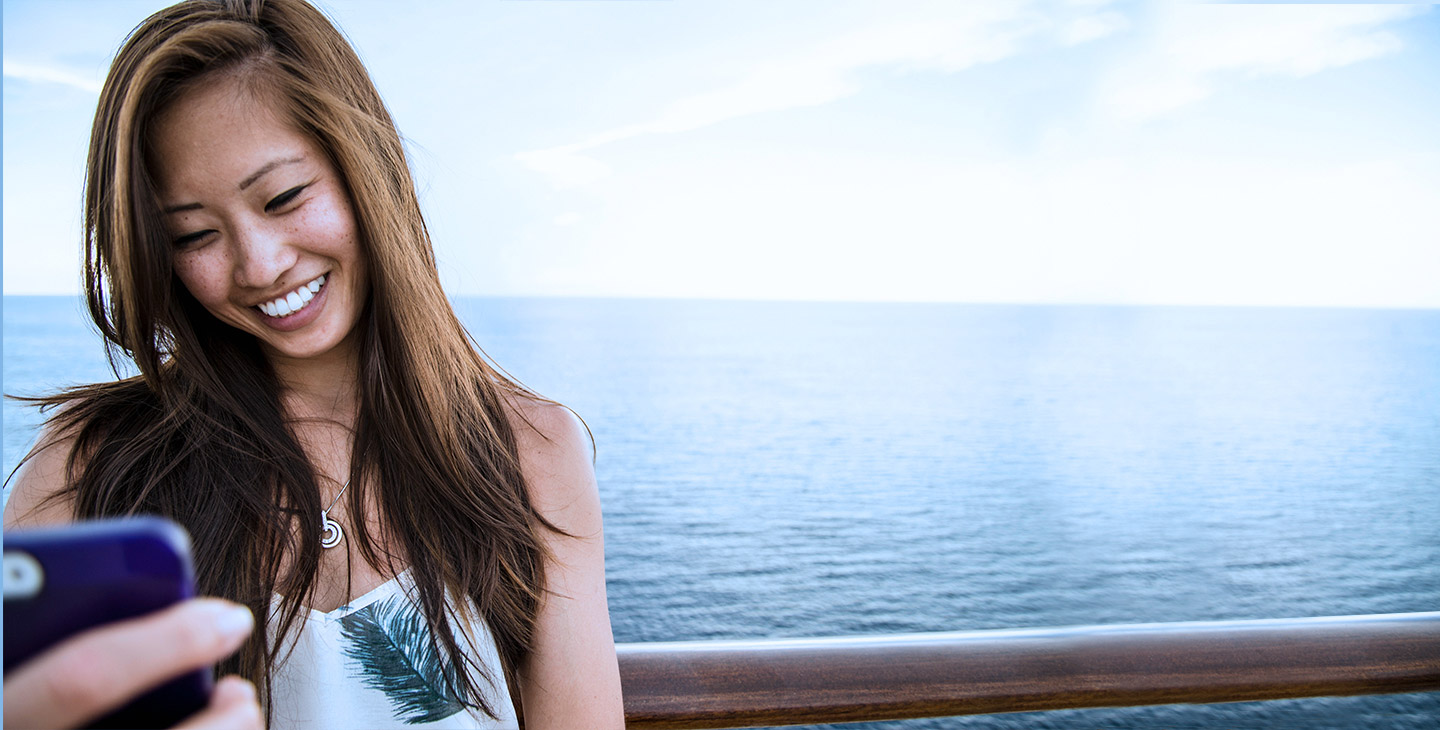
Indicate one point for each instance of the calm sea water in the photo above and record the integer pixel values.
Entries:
(788, 469)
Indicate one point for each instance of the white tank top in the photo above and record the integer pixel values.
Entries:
(369, 665)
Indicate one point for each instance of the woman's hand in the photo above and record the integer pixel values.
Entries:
(99, 670)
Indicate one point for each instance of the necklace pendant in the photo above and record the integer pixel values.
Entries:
(333, 534)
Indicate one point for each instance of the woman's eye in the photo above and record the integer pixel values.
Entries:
(191, 239)
(283, 199)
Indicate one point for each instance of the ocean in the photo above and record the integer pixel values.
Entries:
(779, 469)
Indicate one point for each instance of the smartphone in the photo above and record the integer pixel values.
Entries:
(64, 580)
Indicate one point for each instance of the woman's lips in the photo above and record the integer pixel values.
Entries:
(305, 315)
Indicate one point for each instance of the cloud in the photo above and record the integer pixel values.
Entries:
(1088, 28)
(36, 73)
(947, 38)
(1195, 49)
(565, 166)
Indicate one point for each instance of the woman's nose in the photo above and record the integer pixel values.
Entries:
(263, 253)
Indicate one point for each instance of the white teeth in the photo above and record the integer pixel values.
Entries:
(294, 301)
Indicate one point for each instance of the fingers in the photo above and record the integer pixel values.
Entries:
(233, 706)
(98, 670)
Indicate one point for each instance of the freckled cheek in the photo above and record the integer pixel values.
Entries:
(330, 231)
(204, 277)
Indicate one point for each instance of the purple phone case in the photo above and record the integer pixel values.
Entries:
(96, 573)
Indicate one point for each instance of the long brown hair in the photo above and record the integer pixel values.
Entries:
(200, 434)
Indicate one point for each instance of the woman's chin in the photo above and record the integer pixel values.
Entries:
(317, 339)
(301, 345)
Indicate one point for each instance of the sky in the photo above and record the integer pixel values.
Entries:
(896, 150)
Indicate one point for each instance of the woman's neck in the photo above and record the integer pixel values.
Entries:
(325, 387)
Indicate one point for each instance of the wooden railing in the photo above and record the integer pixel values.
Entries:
(718, 684)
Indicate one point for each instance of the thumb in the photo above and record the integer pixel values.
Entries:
(232, 707)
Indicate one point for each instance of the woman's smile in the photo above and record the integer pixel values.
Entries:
(297, 308)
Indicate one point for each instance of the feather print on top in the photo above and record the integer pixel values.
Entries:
(390, 642)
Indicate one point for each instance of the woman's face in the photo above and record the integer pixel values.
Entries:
(262, 230)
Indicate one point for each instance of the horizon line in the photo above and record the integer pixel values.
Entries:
(960, 302)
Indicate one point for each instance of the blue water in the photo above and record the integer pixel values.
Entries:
(791, 469)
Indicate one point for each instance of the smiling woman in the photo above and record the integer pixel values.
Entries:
(255, 246)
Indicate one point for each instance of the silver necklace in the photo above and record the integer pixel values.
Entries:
(333, 534)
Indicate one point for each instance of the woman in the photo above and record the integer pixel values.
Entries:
(421, 533)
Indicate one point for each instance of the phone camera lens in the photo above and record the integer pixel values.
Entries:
(23, 576)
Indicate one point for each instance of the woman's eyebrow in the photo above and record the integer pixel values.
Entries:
(181, 208)
(247, 182)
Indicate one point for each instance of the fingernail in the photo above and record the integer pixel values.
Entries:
(234, 685)
(233, 620)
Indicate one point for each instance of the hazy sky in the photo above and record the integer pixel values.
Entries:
(880, 150)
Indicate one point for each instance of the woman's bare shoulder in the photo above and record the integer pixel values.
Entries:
(547, 427)
(36, 495)
(82, 417)
(556, 455)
